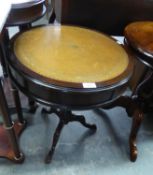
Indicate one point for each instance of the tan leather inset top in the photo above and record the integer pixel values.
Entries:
(71, 54)
(140, 36)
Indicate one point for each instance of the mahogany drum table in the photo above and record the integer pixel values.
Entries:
(69, 68)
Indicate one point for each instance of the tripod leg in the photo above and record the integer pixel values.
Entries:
(81, 119)
(55, 140)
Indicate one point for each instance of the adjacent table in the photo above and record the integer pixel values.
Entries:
(9, 147)
(139, 38)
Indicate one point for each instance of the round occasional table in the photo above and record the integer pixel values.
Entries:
(139, 38)
(69, 68)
